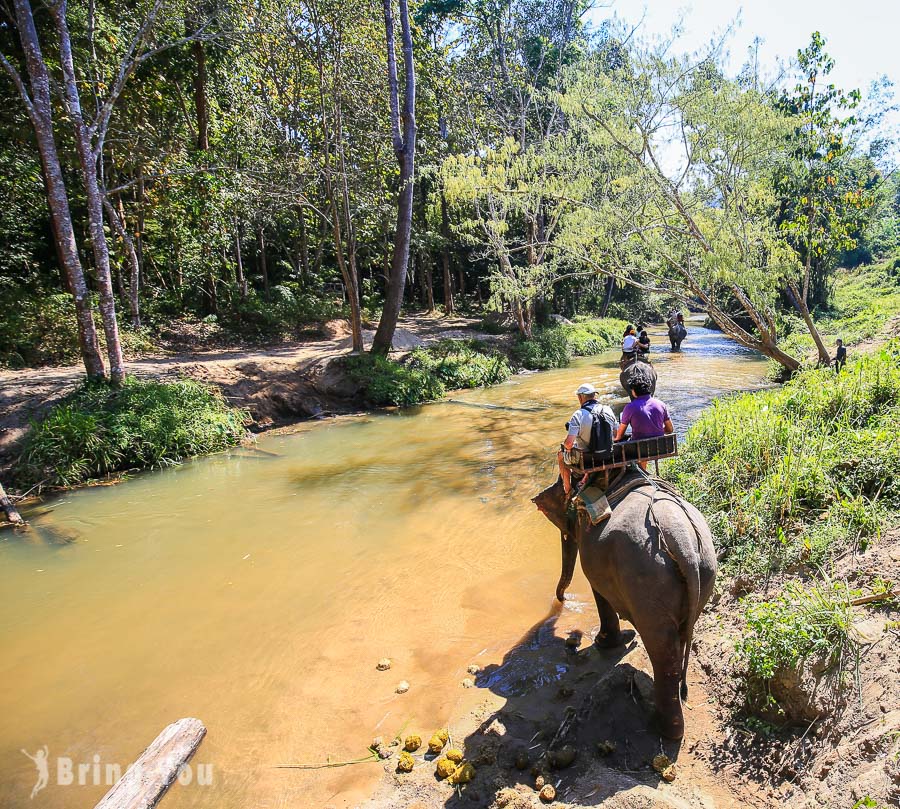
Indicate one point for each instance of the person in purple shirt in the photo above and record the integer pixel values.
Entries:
(648, 417)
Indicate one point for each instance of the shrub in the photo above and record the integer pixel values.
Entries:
(387, 382)
(802, 623)
(461, 364)
(547, 348)
(101, 429)
(789, 474)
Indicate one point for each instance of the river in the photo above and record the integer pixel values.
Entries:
(258, 591)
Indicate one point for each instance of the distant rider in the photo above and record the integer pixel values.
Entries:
(629, 346)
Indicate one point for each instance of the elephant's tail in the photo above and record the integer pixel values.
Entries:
(687, 557)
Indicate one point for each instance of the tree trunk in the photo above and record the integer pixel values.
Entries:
(803, 309)
(200, 100)
(405, 150)
(9, 508)
(40, 114)
(445, 256)
(88, 164)
(263, 267)
(116, 219)
(607, 298)
(239, 259)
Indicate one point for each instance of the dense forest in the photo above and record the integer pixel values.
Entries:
(260, 169)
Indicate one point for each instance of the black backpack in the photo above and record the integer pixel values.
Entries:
(603, 427)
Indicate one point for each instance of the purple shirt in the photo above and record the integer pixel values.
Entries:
(647, 417)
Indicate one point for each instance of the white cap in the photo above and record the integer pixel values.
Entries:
(585, 389)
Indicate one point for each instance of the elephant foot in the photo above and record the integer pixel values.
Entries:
(671, 727)
(610, 641)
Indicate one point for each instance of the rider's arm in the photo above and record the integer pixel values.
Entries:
(620, 433)
(668, 426)
(569, 442)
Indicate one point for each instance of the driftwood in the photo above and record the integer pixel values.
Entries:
(886, 596)
(148, 779)
(7, 505)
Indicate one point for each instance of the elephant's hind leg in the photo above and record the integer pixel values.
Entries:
(664, 650)
(611, 634)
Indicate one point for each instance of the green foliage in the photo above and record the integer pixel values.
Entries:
(803, 624)
(547, 348)
(791, 475)
(101, 429)
(387, 382)
(288, 312)
(461, 364)
(554, 346)
(38, 330)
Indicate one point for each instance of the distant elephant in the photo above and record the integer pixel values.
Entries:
(651, 563)
(629, 368)
(677, 333)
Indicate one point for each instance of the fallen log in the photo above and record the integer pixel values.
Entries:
(148, 779)
(7, 505)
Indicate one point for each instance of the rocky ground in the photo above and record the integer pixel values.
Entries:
(546, 698)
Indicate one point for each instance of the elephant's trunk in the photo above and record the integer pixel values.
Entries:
(569, 557)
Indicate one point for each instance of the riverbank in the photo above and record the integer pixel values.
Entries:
(288, 383)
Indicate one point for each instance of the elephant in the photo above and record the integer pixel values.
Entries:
(652, 563)
(677, 333)
(629, 368)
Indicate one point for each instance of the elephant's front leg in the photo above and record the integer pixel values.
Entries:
(610, 634)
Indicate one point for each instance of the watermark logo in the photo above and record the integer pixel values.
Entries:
(41, 761)
(96, 772)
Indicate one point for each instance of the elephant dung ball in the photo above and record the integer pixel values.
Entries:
(606, 748)
(384, 664)
(454, 755)
(468, 682)
(563, 757)
(665, 767)
(445, 768)
(444, 735)
(521, 760)
(547, 793)
(402, 687)
(405, 763)
(465, 772)
(435, 744)
(474, 669)
(412, 743)
(539, 781)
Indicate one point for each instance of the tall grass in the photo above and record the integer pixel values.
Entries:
(101, 429)
(794, 474)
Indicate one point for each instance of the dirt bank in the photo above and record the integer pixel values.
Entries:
(544, 695)
(276, 384)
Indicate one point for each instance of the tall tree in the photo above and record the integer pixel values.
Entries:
(40, 113)
(403, 135)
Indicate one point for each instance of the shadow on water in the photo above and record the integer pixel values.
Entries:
(593, 700)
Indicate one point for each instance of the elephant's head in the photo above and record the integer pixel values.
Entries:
(552, 504)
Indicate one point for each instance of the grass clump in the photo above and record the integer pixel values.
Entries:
(387, 382)
(461, 364)
(102, 428)
(805, 625)
(789, 476)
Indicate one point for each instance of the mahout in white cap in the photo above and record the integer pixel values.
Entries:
(586, 389)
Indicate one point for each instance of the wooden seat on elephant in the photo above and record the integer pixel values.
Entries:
(622, 454)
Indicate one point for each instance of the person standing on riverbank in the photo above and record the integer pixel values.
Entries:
(840, 358)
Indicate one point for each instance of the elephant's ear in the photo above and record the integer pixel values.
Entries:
(552, 504)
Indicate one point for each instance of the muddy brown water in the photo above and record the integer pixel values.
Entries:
(257, 592)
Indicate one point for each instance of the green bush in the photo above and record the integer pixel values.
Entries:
(589, 336)
(788, 475)
(38, 330)
(803, 623)
(547, 348)
(387, 382)
(288, 311)
(461, 364)
(101, 429)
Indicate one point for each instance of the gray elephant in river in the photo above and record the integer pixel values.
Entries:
(639, 366)
(652, 563)
(677, 332)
